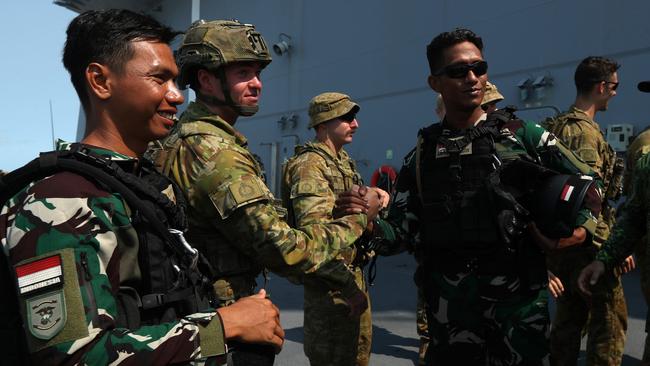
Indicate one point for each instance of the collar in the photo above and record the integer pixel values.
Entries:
(127, 163)
(200, 112)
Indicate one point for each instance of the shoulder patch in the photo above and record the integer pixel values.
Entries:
(242, 191)
(51, 299)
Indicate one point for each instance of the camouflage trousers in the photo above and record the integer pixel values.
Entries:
(485, 320)
(422, 327)
(332, 337)
(604, 317)
(643, 264)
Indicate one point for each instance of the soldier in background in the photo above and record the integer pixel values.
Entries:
(81, 252)
(313, 178)
(639, 147)
(630, 229)
(233, 217)
(596, 81)
(491, 98)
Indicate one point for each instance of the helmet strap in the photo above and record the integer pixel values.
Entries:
(242, 110)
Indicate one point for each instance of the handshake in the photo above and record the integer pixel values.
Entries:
(362, 199)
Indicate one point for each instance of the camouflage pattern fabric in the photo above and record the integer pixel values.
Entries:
(631, 229)
(234, 218)
(313, 178)
(89, 229)
(404, 218)
(607, 312)
(422, 327)
(639, 147)
(485, 320)
(583, 136)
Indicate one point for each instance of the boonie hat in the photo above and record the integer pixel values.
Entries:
(491, 94)
(330, 105)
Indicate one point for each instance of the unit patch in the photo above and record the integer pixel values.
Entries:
(46, 314)
(41, 284)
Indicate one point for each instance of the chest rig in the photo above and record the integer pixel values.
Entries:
(172, 284)
(341, 176)
(454, 170)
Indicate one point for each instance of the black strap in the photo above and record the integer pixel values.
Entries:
(103, 171)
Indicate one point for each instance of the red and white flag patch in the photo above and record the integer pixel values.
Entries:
(39, 274)
(566, 193)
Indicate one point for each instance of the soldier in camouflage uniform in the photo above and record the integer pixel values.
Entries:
(313, 178)
(489, 104)
(631, 228)
(484, 288)
(73, 245)
(639, 147)
(233, 217)
(596, 80)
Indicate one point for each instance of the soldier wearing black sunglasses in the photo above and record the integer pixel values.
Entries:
(596, 80)
(480, 266)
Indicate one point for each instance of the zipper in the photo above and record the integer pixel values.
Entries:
(84, 264)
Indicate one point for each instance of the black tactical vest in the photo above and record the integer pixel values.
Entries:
(172, 284)
(459, 213)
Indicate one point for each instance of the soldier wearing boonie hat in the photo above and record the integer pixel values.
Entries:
(491, 97)
(327, 106)
(314, 177)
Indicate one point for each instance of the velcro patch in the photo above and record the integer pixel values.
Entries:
(46, 314)
(40, 274)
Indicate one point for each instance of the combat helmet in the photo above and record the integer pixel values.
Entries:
(211, 45)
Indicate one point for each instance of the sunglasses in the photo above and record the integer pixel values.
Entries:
(457, 71)
(348, 117)
(614, 84)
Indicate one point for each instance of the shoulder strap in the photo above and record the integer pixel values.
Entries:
(108, 174)
(424, 133)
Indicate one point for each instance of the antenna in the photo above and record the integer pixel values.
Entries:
(52, 126)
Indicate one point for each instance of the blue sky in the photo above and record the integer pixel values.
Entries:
(32, 75)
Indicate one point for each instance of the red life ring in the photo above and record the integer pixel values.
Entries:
(384, 169)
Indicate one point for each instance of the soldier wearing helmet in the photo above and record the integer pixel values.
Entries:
(233, 217)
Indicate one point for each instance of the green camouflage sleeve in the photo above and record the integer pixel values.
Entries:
(312, 202)
(226, 188)
(539, 142)
(632, 224)
(399, 231)
(71, 246)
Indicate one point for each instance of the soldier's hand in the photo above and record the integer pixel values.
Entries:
(384, 197)
(351, 202)
(578, 237)
(555, 286)
(374, 202)
(253, 319)
(590, 276)
(358, 303)
(627, 266)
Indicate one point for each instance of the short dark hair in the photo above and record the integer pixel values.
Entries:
(592, 70)
(105, 37)
(447, 39)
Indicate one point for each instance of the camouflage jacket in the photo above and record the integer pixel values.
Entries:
(402, 227)
(313, 178)
(70, 231)
(583, 136)
(232, 215)
(639, 147)
(634, 220)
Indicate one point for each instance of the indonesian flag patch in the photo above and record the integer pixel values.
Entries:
(40, 284)
(39, 274)
(566, 193)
